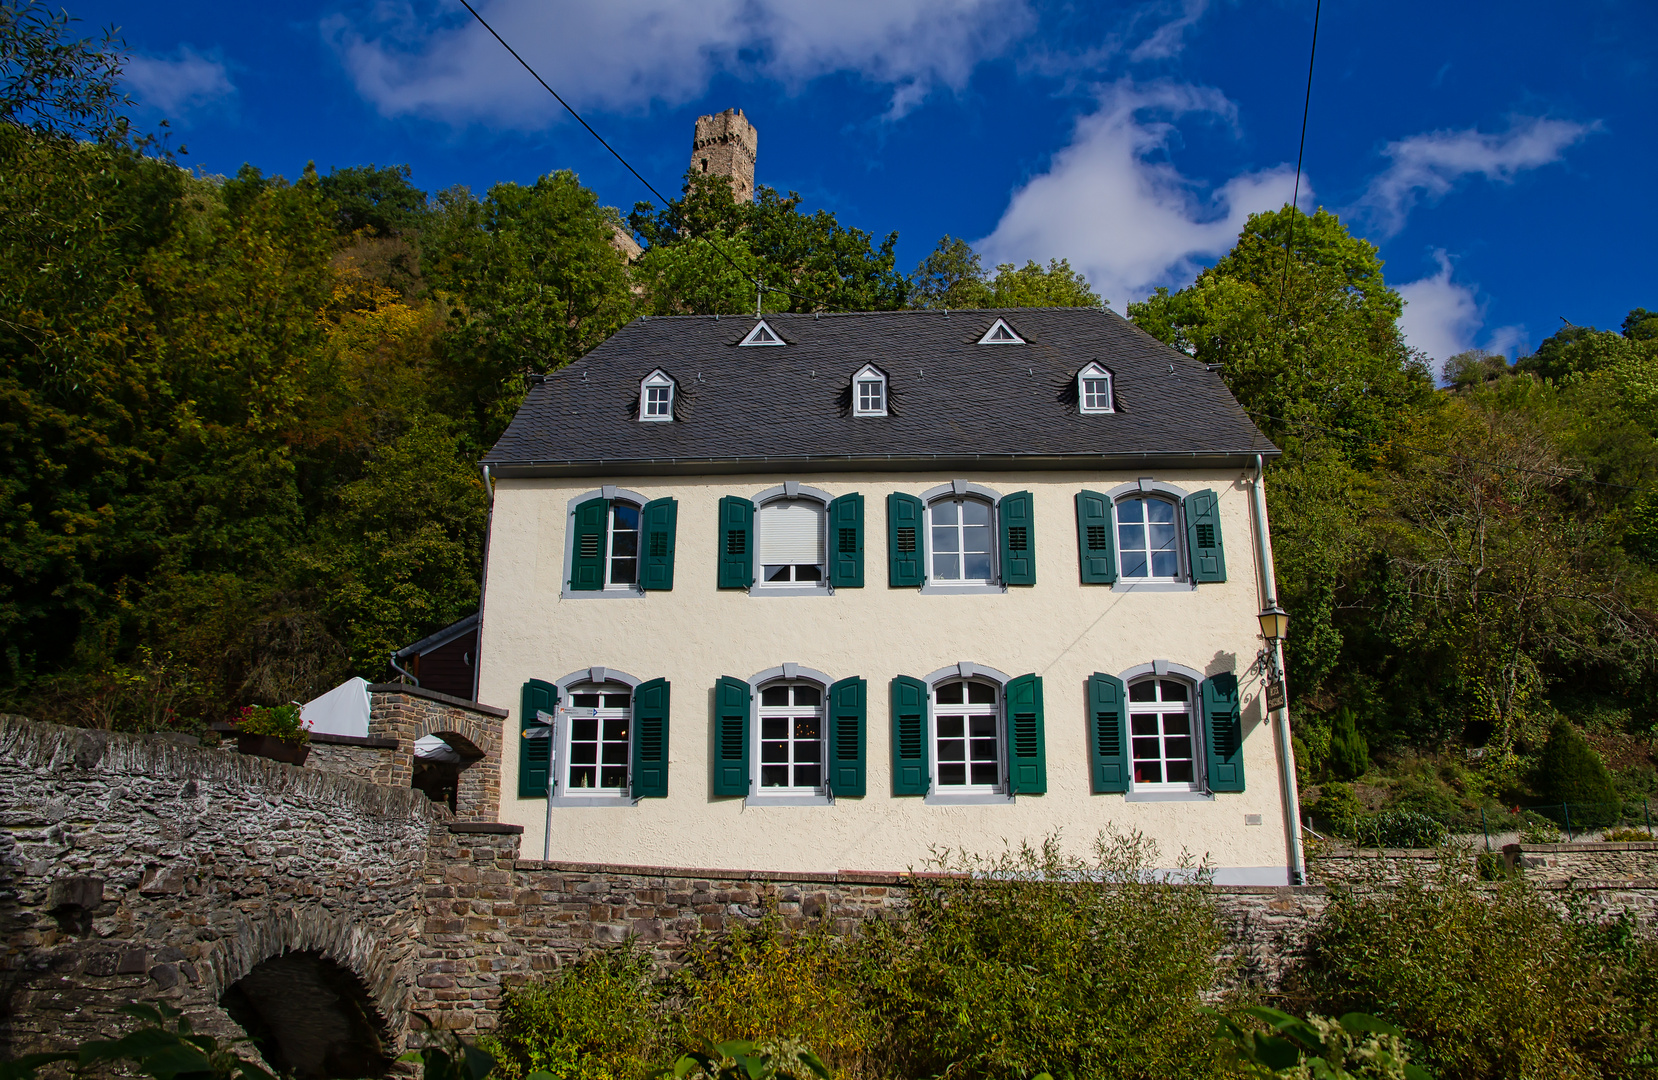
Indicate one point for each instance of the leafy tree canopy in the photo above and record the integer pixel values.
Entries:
(953, 276)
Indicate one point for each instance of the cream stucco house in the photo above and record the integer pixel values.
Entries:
(814, 593)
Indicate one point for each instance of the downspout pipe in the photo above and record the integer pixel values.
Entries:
(1281, 718)
(402, 672)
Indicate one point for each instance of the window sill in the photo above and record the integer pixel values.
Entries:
(790, 590)
(594, 800)
(568, 593)
(1169, 796)
(980, 798)
(788, 800)
(929, 589)
(1153, 586)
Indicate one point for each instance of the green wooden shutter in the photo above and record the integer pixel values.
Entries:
(1223, 733)
(535, 738)
(1203, 541)
(906, 542)
(1096, 539)
(732, 712)
(736, 543)
(587, 554)
(911, 771)
(846, 542)
(649, 775)
(1026, 745)
(848, 701)
(657, 524)
(1018, 539)
(1108, 733)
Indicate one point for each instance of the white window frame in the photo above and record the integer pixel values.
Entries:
(869, 373)
(1095, 372)
(609, 592)
(610, 546)
(1181, 573)
(987, 339)
(561, 731)
(1194, 715)
(967, 794)
(753, 336)
(790, 491)
(791, 675)
(656, 380)
(951, 492)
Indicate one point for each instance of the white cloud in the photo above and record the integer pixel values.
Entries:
(1444, 317)
(1169, 38)
(1130, 223)
(1429, 165)
(182, 83)
(625, 54)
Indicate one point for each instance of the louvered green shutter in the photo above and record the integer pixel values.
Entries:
(1027, 757)
(847, 709)
(1223, 733)
(657, 524)
(736, 543)
(537, 705)
(1096, 543)
(731, 724)
(911, 773)
(1018, 539)
(906, 542)
(846, 542)
(1107, 733)
(1203, 541)
(587, 554)
(649, 775)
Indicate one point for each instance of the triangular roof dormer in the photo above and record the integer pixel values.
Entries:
(762, 334)
(1000, 333)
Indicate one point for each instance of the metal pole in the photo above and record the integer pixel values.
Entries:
(1281, 724)
(1566, 811)
(1646, 810)
(1484, 829)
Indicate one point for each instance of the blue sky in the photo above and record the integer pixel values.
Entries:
(1502, 155)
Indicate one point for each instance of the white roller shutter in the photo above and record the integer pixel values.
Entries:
(791, 533)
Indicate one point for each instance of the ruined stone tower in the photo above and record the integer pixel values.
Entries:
(726, 145)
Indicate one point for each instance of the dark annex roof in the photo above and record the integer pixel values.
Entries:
(758, 408)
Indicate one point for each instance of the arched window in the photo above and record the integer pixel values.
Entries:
(594, 756)
(1163, 735)
(791, 545)
(1148, 538)
(961, 540)
(967, 719)
(791, 738)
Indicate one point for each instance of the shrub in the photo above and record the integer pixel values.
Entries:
(277, 721)
(1356, 1047)
(1035, 962)
(1618, 836)
(1490, 981)
(594, 1019)
(1396, 829)
(1349, 753)
(1336, 802)
(1570, 772)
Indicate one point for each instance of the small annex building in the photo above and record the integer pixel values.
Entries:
(829, 592)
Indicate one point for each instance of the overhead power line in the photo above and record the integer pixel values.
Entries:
(757, 282)
(1300, 153)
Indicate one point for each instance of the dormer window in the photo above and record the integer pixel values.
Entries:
(1094, 389)
(869, 392)
(1000, 333)
(762, 335)
(656, 397)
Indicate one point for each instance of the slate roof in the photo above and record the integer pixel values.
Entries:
(765, 408)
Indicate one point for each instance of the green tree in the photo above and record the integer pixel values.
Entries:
(378, 201)
(1569, 771)
(1349, 753)
(953, 276)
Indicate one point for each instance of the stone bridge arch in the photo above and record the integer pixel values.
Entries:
(409, 713)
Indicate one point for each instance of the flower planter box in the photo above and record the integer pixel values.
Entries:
(269, 746)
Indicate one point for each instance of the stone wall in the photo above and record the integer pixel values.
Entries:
(408, 713)
(1334, 865)
(1590, 862)
(369, 760)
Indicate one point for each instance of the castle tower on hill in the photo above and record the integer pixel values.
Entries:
(726, 145)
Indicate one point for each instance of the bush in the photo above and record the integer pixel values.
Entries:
(1619, 836)
(1490, 981)
(1037, 962)
(1570, 772)
(594, 1019)
(1396, 829)
(1349, 756)
(1336, 802)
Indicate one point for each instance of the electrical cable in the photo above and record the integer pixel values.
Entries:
(1300, 153)
(625, 164)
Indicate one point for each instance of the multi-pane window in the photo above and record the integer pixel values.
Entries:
(1148, 544)
(872, 396)
(656, 397)
(1094, 389)
(624, 544)
(791, 541)
(791, 736)
(966, 727)
(1162, 734)
(961, 540)
(597, 723)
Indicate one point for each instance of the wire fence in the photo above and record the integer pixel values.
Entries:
(1492, 824)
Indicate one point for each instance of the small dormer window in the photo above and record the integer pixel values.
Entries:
(762, 334)
(869, 392)
(1094, 389)
(1000, 333)
(656, 397)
